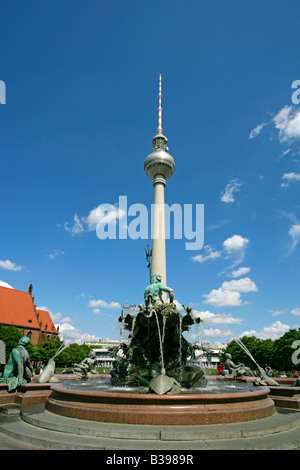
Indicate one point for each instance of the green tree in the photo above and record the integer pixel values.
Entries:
(45, 350)
(11, 336)
(282, 357)
(72, 355)
(264, 352)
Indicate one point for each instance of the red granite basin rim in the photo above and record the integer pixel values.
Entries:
(135, 408)
(113, 397)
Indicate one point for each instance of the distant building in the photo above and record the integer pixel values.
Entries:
(201, 359)
(103, 343)
(127, 310)
(103, 352)
(104, 358)
(17, 308)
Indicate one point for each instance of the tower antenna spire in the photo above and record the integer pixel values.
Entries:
(159, 129)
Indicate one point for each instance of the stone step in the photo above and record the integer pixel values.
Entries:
(279, 431)
(50, 440)
(278, 422)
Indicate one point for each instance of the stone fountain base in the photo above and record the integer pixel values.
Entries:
(131, 408)
(27, 394)
(286, 397)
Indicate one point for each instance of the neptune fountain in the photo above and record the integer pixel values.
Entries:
(157, 353)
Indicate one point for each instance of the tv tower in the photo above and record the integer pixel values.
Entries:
(159, 166)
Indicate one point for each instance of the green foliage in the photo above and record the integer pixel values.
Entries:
(44, 351)
(283, 349)
(11, 336)
(72, 354)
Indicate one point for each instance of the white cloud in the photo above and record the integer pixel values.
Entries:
(10, 266)
(96, 310)
(216, 332)
(229, 294)
(96, 304)
(59, 318)
(244, 284)
(69, 334)
(80, 296)
(4, 284)
(77, 227)
(234, 248)
(56, 253)
(103, 214)
(285, 152)
(257, 130)
(289, 178)
(56, 317)
(273, 331)
(223, 298)
(210, 253)
(235, 243)
(218, 225)
(213, 333)
(274, 313)
(296, 311)
(294, 233)
(232, 187)
(288, 123)
(240, 272)
(210, 318)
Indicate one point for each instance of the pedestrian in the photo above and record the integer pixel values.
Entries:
(269, 371)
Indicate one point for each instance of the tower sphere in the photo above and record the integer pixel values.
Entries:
(159, 162)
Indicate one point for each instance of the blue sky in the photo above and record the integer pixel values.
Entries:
(81, 111)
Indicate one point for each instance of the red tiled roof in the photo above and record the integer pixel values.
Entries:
(16, 308)
(45, 319)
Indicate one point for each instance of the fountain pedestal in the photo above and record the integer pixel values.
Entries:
(132, 408)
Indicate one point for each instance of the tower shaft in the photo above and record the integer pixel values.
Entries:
(158, 262)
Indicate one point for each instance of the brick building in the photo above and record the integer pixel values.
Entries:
(17, 308)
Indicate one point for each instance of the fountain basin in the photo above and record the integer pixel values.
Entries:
(184, 409)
